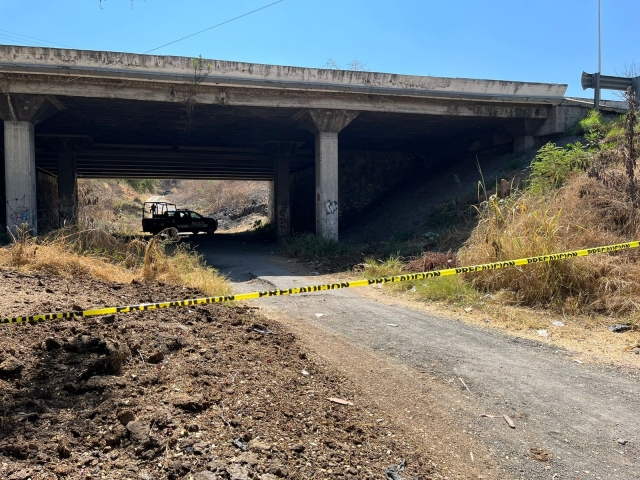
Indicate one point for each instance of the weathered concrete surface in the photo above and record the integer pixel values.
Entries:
(20, 176)
(281, 153)
(326, 124)
(327, 185)
(170, 68)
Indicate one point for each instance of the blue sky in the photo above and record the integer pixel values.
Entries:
(541, 40)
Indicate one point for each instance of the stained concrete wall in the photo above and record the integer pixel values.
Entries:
(364, 177)
(47, 200)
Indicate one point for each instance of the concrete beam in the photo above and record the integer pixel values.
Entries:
(518, 107)
(28, 108)
(161, 68)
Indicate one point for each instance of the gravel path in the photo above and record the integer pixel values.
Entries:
(571, 420)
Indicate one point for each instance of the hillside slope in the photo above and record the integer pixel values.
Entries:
(419, 207)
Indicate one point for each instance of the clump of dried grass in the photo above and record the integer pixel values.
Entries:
(583, 214)
(98, 254)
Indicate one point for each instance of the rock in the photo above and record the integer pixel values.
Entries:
(205, 475)
(63, 449)
(268, 476)
(623, 327)
(10, 366)
(192, 428)
(52, 343)
(200, 448)
(557, 323)
(108, 319)
(237, 472)
(63, 470)
(24, 474)
(240, 444)
(138, 431)
(187, 402)
(156, 357)
(259, 447)
(623, 441)
(126, 416)
(543, 333)
(249, 458)
(299, 448)
(16, 450)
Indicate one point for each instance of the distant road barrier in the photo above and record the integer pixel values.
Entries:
(329, 286)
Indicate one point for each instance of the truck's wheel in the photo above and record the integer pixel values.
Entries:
(211, 230)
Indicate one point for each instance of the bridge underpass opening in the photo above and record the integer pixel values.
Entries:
(332, 141)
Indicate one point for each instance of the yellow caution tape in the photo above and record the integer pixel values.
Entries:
(329, 286)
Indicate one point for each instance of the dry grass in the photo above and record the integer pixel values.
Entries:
(583, 214)
(109, 205)
(97, 254)
(210, 196)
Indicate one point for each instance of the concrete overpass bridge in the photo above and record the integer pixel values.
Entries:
(331, 140)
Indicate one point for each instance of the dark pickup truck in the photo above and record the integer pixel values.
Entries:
(156, 216)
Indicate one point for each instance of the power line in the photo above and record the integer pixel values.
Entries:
(215, 26)
(33, 38)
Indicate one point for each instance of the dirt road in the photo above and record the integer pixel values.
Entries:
(571, 420)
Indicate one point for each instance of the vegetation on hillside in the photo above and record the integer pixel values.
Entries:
(576, 196)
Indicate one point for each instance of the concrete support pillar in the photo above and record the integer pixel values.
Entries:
(67, 188)
(281, 153)
(271, 202)
(525, 142)
(3, 197)
(67, 147)
(283, 201)
(523, 132)
(327, 185)
(20, 176)
(20, 114)
(326, 124)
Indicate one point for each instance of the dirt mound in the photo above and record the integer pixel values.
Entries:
(206, 392)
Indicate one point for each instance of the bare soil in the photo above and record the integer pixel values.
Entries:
(207, 392)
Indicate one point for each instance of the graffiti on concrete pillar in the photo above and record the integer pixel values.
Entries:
(20, 213)
(331, 209)
(283, 220)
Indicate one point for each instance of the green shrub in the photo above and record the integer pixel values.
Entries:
(309, 246)
(554, 165)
